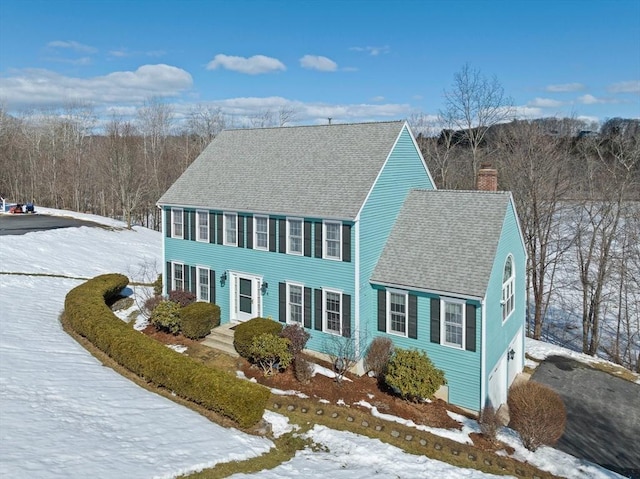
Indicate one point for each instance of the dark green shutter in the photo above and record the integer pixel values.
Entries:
(413, 317)
(240, 231)
(185, 224)
(346, 243)
(192, 225)
(382, 310)
(307, 238)
(272, 234)
(250, 232)
(470, 339)
(435, 320)
(194, 281)
(282, 302)
(307, 307)
(212, 286)
(185, 277)
(168, 279)
(282, 235)
(318, 240)
(346, 315)
(318, 306)
(212, 228)
(219, 228)
(167, 220)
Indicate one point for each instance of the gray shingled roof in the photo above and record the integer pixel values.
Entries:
(444, 241)
(313, 171)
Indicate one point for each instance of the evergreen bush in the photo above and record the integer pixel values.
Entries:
(245, 332)
(166, 317)
(272, 353)
(198, 319)
(157, 286)
(412, 375)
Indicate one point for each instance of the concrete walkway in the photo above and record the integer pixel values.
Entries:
(603, 414)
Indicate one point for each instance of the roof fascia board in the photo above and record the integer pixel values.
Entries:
(448, 294)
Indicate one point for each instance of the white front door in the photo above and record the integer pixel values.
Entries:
(498, 383)
(245, 298)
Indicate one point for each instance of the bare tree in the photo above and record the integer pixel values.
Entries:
(346, 352)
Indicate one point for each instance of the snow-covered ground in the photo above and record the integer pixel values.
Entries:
(64, 415)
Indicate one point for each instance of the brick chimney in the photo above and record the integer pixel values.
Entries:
(487, 178)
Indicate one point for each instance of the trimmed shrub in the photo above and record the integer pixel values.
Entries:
(377, 357)
(537, 414)
(302, 369)
(183, 298)
(297, 336)
(151, 303)
(88, 315)
(489, 422)
(166, 317)
(270, 352)
(157, 286)
(412, 375)
(245, 332)
(198, 319)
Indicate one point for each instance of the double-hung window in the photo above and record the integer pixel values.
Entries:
(177, 223)
(453, 320)
(230, 229)
(295, 236)
(203, 284)
(332, 311)
(397, 313)
(202, 226)
(332, 240)
(295, 303)
(261, 232)
(178, 277)
(508, 288)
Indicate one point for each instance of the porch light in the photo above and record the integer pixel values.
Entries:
(264, 287)
(511, 354)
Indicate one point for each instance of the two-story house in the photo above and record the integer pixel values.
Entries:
(339, 228)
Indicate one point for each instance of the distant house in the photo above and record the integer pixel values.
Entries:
(339, 228)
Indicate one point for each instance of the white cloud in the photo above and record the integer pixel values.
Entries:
(545, 103)
(44, 87)
(71, 61)
(632, 86)
(314, 62)
(590, 100)
(72, 45)
(565, 87)
(378, 98)
(254, 65)
(124, 52)
(373, 51)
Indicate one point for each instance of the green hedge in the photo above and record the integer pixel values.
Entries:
(89, 316)
(198, 319)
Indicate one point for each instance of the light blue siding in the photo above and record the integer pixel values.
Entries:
(499, 335)
(403, 171)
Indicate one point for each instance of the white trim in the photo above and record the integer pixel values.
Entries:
(287, 304)
(164, 227)
(483, 355)
(356, 283)
(206, 214)
(224, 229)
(255, 232)
(199, 284)
(443, 329)
(288, 236)
(324, 240)
(174, 211)
(408, 287)
(324, 311)
(405, 294)
(510, 286)
(173, 276)
(256, 294)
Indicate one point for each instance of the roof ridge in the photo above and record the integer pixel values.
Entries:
(499, 192)
(315, 126)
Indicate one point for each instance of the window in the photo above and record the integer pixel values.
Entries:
(230, 229)
(453, 318)
(261, 232)
(178, 277)
(177, 223)
(332, 240)
(332, 313)
(508, 288)
(295, 303)
(202, 226)
(397, 313)
(294, 236)
(203, 284)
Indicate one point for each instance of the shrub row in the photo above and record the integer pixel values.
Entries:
(88, 315)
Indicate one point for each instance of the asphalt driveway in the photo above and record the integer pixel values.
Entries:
(603, 414)
(27, 223)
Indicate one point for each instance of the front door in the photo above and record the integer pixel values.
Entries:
(245, 297)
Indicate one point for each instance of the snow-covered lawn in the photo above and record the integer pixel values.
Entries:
(64, 415)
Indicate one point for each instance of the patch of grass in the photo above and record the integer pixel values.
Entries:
(213, 358)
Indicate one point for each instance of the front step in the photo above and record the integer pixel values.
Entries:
(221, 338)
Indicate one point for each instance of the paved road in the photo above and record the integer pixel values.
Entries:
(27, 223)
(603, 414)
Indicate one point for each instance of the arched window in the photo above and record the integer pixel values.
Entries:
(508, 289)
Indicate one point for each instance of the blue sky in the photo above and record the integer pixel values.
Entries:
(349, 60)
